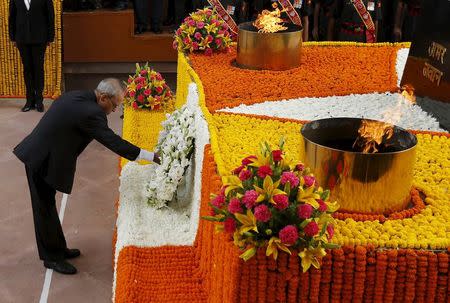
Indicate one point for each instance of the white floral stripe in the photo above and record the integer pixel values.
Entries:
(387, 107)
(402, 55)
(143, 226)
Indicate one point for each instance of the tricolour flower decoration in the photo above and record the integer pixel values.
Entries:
(175, 147)
(147, 89)
(202, 31)
(270, 201)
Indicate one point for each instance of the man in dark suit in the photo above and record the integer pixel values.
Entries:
(50, 153)
(32, 28)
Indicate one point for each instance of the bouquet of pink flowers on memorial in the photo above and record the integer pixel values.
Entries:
(276, 204)
(202, 31)
(147, 89)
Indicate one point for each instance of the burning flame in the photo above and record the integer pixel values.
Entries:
(270, 21)
(371, 134)
(408, 93)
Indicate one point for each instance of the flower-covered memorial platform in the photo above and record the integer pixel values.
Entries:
(170, 254)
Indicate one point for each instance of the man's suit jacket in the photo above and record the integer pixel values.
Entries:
(63, 133)
(34, 26)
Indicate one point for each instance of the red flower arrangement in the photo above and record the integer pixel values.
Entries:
(148, 89)
(271, 202)
(202, 31)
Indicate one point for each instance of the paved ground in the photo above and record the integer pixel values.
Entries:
(88, 223)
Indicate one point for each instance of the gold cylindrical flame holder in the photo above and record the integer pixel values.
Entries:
(270, 51)
(363, 183)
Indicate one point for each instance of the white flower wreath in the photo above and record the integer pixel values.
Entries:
(175, 147)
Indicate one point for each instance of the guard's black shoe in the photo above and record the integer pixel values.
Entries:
(40, 107)
(27, 107)
(63, 267)
(120, 6)
(71, 253)
(157, 30)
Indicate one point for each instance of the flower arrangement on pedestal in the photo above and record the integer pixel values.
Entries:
(270, 201)
(202, 31)
(147, 89)
(175, 147)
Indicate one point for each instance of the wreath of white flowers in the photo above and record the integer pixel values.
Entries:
(175, 147)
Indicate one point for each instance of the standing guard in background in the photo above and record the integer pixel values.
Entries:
(156, 13)
(31, 29)
(120, 5)
(406, 17)
(386, 25)
(305, 9)
(141, 15)
(237, 9)
(324, 20)
(352, 26)
(199, 4)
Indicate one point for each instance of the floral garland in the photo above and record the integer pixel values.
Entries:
(202, 31)
(273, 202)
(175, 147)
(147, 89)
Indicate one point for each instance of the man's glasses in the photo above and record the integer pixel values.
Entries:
(114, 105)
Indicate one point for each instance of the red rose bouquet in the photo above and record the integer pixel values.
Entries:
(271, 202)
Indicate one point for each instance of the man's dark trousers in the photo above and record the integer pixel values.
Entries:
(32, 56)
(49, 234)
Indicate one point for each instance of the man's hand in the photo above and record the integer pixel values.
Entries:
(149, 156)
(157, 158)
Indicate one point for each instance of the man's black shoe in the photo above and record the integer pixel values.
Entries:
(27, 107)
(71, 253)
(63, 267)
(40, 107)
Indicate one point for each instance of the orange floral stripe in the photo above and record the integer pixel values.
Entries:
(391, 274)
(325, 71)
(294, 280)
(360, 273)
(430, 133)
(160, 274)
(432, 277)
(442, 287)
(417, 205)
(401, 276)
(325, 280)
(349, 264)
(411, 276)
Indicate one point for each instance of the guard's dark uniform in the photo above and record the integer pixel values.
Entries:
(326, 19)
(303, 7)
(350, 26)
(237, 9)
(413, 10)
